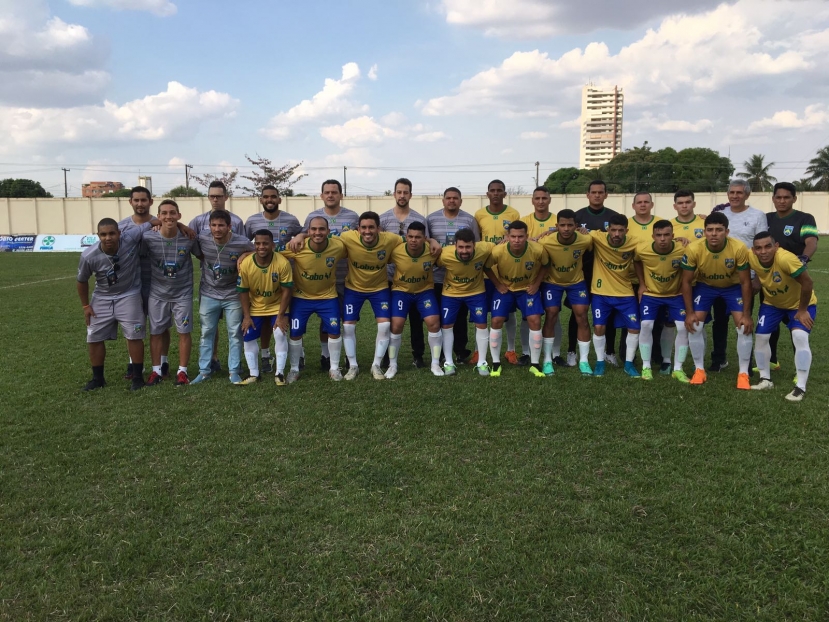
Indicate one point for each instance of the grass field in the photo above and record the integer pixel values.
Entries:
(421, 498)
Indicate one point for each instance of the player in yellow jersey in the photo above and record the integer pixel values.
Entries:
(494, 220)
(413, 284)
(612, 290)
(517, 269)
(640, 225)
(541, 221)
(719, 265)
(463, 285)
(315, 291)
(788, 293)
(687, 224)
(659, 269)
(566, 249)
(265, 286)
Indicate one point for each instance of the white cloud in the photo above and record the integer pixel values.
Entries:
(356, 159)
(162, 8)
(176, 113)
(533, 135)
(176, 162)
(571, 123)
(358, 132)
(662, 123)
(372, 73)
(430, 137)
(330, 103)
(506, 151)
(814, 116)
(393, 119)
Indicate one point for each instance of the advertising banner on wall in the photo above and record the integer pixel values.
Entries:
(64, 243)
(17, 243)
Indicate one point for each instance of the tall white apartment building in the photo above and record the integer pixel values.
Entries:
(601, 125)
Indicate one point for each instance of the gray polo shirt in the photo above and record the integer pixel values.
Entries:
(201, 223)
(125, 225)
(116, 276)
(390, 224)
(345, 220)
(746, 224)
(218, 269)
(443, 230)
(171, 264)
(283, 227)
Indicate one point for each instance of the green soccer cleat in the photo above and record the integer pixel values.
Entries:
(483, 369)
(495, 372)
(772, 367)
(630, 370)
(681, 376)
(585, 369)
(548, 369)
(647, 373)
(535, 371)
(449, 370)
(599, 371)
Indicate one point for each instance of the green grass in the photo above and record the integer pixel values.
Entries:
(420, 498)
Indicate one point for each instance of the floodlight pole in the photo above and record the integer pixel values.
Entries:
(65, 185)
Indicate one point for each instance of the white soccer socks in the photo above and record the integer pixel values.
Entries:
(448, 345)
(762, 354)
(335, 346)
(495, 341)
(548, 349)
(394, 348)
(535, 346)
(696, 341)
(252, 357)
(280, 347)
(646, 343)
(381, 343)
(802, 357)
(435, 340)
(295, 350)
(599, 345)
(744, 345)
(680, 346)
(631, 344)
(350, 343)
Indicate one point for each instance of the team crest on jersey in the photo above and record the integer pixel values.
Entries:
(698, 233)
(329, 262)
(682, 313)
(185, 320)
(427, 265)
(238, 281)
(576, 254)
(674, 263)
(685, 259)
(427, 304)
(381, 255)
(632, 317)
(333, 322)
(182, 252)
(479, 265)
(384, 306)
(775, 276)
(529, 303)
(137, 328)
(740, 301)
(606, 224)
(729, 263)
(582, 294)
(274, 277)
(506, 224)
(528, 265)
(345, 228)
(234, 256)
(626, 256)
(283, 232)
(479, 312)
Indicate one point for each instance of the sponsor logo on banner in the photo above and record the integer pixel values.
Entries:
(17, 243)
(63, 243)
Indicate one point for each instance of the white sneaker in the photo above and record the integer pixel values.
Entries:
(571, 359)
(376, 373)
(292, 376)
(762, 385)
(612, 360)
(335, 374)
(391, 372)
(436, 370)
(352, 372)
(796, 395)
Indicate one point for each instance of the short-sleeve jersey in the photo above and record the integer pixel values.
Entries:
(494, 226)
(344, 220)
(694, 228)
(743, 226)
(116, 276)
(663, 271)
(518, 271)
(566, 259)
(201, 223)
(412, 274)
(612, 265)
(367, 264)
(264, 283)
(315, 273)
(283, 227)
(717, 269)
(443, 229)
(390, 224)
(218, 269)
(594, 220)
(171, 264)
(464, 278)
(791, 232)
(641, 233)
(779, 280)
(146, 271)
(535, 226)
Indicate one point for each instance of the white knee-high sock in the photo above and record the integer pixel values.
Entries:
(280, 348)
(295, 351)
(535, 346)
(394, 349)
(449, 343)
(548, 349)
(381, 342)
(350, 343)
(252, 357)
(584, 351)
(510, 325)
(495, 340)
(680, 346)
(482, 340)
(335, 346)
(557, 337)
(802, 356)
(631, 343)
(666, 342)
(696, 341)
(435, 340)
(525, 337)
(599, 345)
(744, 344)
(646, 343)
(762, 354)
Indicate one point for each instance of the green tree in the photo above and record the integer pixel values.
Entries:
(183, 191)
(22, 189)
(569, 180)
(757, 173)
(818, 169)
(122, 193)
(228, 179)
(270, 175)
(804, 184)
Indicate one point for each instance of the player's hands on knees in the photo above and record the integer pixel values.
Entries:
(283, 323)
(746, 323)
(690, 322)
(804, 318)
(247, 323)
(642, 291)
(88, 314)
(501, 287)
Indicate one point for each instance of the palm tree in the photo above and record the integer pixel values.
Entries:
(819, 170)
(757, 173)
(804, 184)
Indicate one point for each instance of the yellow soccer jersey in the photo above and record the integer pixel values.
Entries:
(412, 274)
(663, 272)
(315, 274)
(692, 229)
(566, 259)
(780, 288)
(464, 278)
(264, 283)
(716, 269)
(612, 265)
(367, 266)
(536, 227)
(494, 226)
(642, 233)
(518, 271)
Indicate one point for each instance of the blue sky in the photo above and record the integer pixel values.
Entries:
(447, 92)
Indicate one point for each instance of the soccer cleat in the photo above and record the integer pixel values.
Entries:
(611, 360)
(665, 369)
(796, 395)
(94, 384)
(301, 363)
(247, 381)
(699, 377)
(717, 366)
(473, 360)
(584, 368)
(165, 370)
(764, 384)
(436, 370)
(137, 383)
(418, 362)
(200, 378)
(154, 379)
(279, 379)
(600, 367)
(235, 378)
(265, 367)
(559, 361)
(449, 370)
(391, 372)
(647, 373)
(483, 369)
(772, 367)
(511, 357)
(325, 363)
(292, 377)
(524, 360)
(572, 360)
(377, 372)
(352, 372)
(495, 371)
(128, 373)
(548, 369)
(742, 382)
(535, 370)
(630, 370)
(335, 374)
(181, 378)
(215, 366)
(680, 375)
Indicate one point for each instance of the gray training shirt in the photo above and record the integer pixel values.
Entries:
(125, 225)
(218, 270)
(116, 276)
(345, 220)
(283, 227)
(171, 265)
(390, 224)
(443, 229)
(201, 223)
